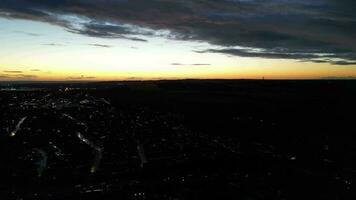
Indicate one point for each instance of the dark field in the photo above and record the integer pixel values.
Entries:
(190, 139)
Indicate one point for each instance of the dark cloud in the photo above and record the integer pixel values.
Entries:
(194, 64)
(4, 76)
(342, 62)
(134, 78)
(52, 44)
(12, 71)
(106, 31)
(200, 64)
(82, 77)
(17, 76)
(28, 33)
(100, 45)
(292, 29)
(334, 62)
(316, 57)
(340, 77)
(177, 64)
(26, 76)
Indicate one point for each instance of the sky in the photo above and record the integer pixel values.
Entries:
(177, 39)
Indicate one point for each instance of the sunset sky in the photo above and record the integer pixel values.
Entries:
(177, 39)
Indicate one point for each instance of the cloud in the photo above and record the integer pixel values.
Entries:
(293, 29)
(35, 70)
(12, 71)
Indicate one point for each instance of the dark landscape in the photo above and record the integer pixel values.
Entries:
(186, 139)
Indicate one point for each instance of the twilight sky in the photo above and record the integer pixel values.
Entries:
(174, 39)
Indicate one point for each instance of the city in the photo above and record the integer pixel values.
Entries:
(105, 140)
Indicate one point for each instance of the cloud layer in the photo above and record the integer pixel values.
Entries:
(318, 30)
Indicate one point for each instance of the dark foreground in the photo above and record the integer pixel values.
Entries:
(179, 140)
